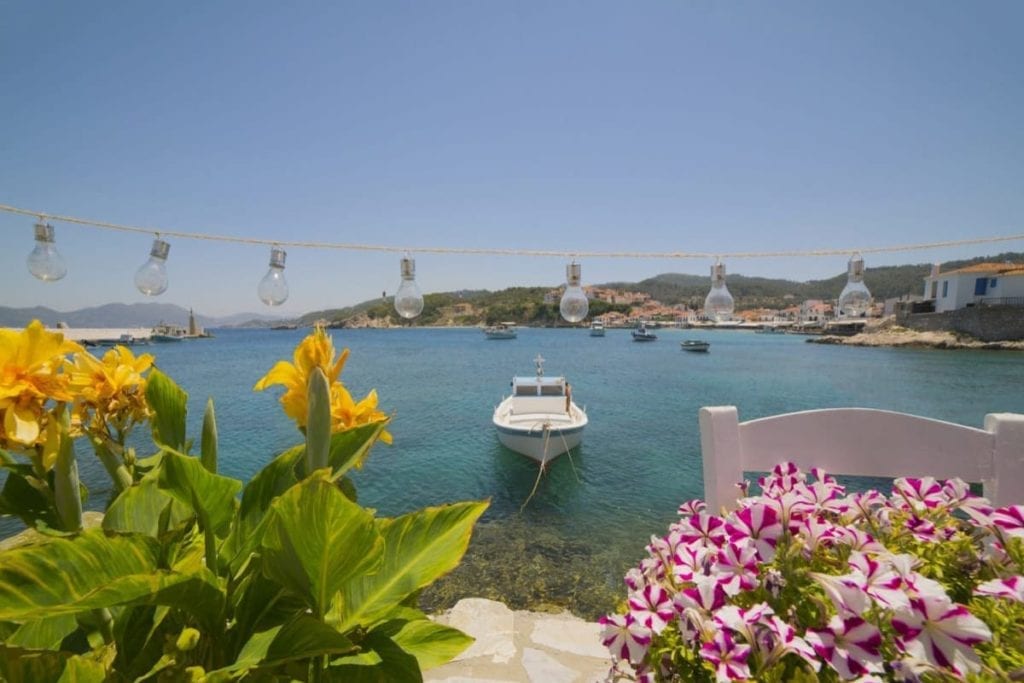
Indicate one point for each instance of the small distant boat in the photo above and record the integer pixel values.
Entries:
(695, 345)
(642, 334)
(501, 331)
(596, 329)
(770, 329)
(285, 326)
(125, 339)
(164, 333)
(540, 419)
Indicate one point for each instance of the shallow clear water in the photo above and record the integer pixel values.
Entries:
(640, 457)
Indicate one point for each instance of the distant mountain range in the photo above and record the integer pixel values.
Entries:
(121, 315)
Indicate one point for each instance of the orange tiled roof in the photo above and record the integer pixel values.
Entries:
(997, 268)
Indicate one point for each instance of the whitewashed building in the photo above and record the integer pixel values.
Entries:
(982, 283)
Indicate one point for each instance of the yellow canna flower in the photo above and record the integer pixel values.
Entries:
(30, 375)
(112, 390)
(346, 413)
(315, 351)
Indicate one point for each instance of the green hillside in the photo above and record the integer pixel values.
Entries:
(525, 305)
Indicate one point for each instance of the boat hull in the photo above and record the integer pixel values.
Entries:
(500, 335)
(597, 333)
(538, 444)
(540, 436)
(695, 347)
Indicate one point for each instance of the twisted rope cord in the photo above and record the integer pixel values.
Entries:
(344, 246)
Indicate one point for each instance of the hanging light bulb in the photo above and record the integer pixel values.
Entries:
(408, 298)
(151, 277)
(273, 289)
(719, 304)
(574, 304)
(45, 262)
(855, 298)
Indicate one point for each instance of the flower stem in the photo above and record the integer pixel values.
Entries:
(67, 496)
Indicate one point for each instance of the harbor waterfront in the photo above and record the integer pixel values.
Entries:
(593, 512)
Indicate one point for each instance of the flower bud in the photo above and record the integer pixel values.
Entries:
(187, 639)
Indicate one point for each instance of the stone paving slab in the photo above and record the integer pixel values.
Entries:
(522, 647)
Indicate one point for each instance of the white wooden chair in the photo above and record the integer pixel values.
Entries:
(865, 442)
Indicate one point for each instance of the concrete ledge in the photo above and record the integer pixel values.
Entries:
(522, 647)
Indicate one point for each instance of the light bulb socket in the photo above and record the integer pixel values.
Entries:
(160, 249)
(855, 269)
(277, 257)
(408, 268)
(44, 232)
(572, 274)
(718, 274)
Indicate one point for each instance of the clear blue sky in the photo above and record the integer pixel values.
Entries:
(656, 126)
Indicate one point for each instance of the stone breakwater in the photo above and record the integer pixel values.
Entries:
(521, 647)
(902, 337)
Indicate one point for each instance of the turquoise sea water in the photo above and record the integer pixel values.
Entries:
(640, 457)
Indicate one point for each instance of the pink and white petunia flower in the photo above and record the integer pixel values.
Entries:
(1010, 520)
(759, 525)
(863, 505)
(695, 626)
(1011, 588)
(916, 585)
(635, 579)
(736, 568)
(824, 497)
(821, 475)
(625, 637)
(817, 532)
(783, 640)
(880, 580)
(728, 657)
(692, 507)
(792, 507)
(652, 607)
(917, 494)
(690, 561)
(858, 540)
(941, 633)
(707, 530)
(850, 646)
(959, 497)
(845, 592)
(706, 593)
(923, 530)
(742, 621)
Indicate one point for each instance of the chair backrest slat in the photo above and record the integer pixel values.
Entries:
(865, 442)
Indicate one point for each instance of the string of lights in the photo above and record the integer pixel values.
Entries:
(46, 263)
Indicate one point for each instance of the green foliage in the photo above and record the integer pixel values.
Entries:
(295, 581)
(169, 404)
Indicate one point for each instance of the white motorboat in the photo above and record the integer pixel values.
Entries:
(540, 419)
(597, 329)
(696, 345)
(642, 334)
(501, 331)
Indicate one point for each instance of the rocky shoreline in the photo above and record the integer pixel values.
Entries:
(900, 337)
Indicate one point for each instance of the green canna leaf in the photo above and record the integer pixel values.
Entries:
(170, 407)
(317, 541)
(419, 548)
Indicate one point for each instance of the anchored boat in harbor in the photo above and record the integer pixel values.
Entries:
(540, 420)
